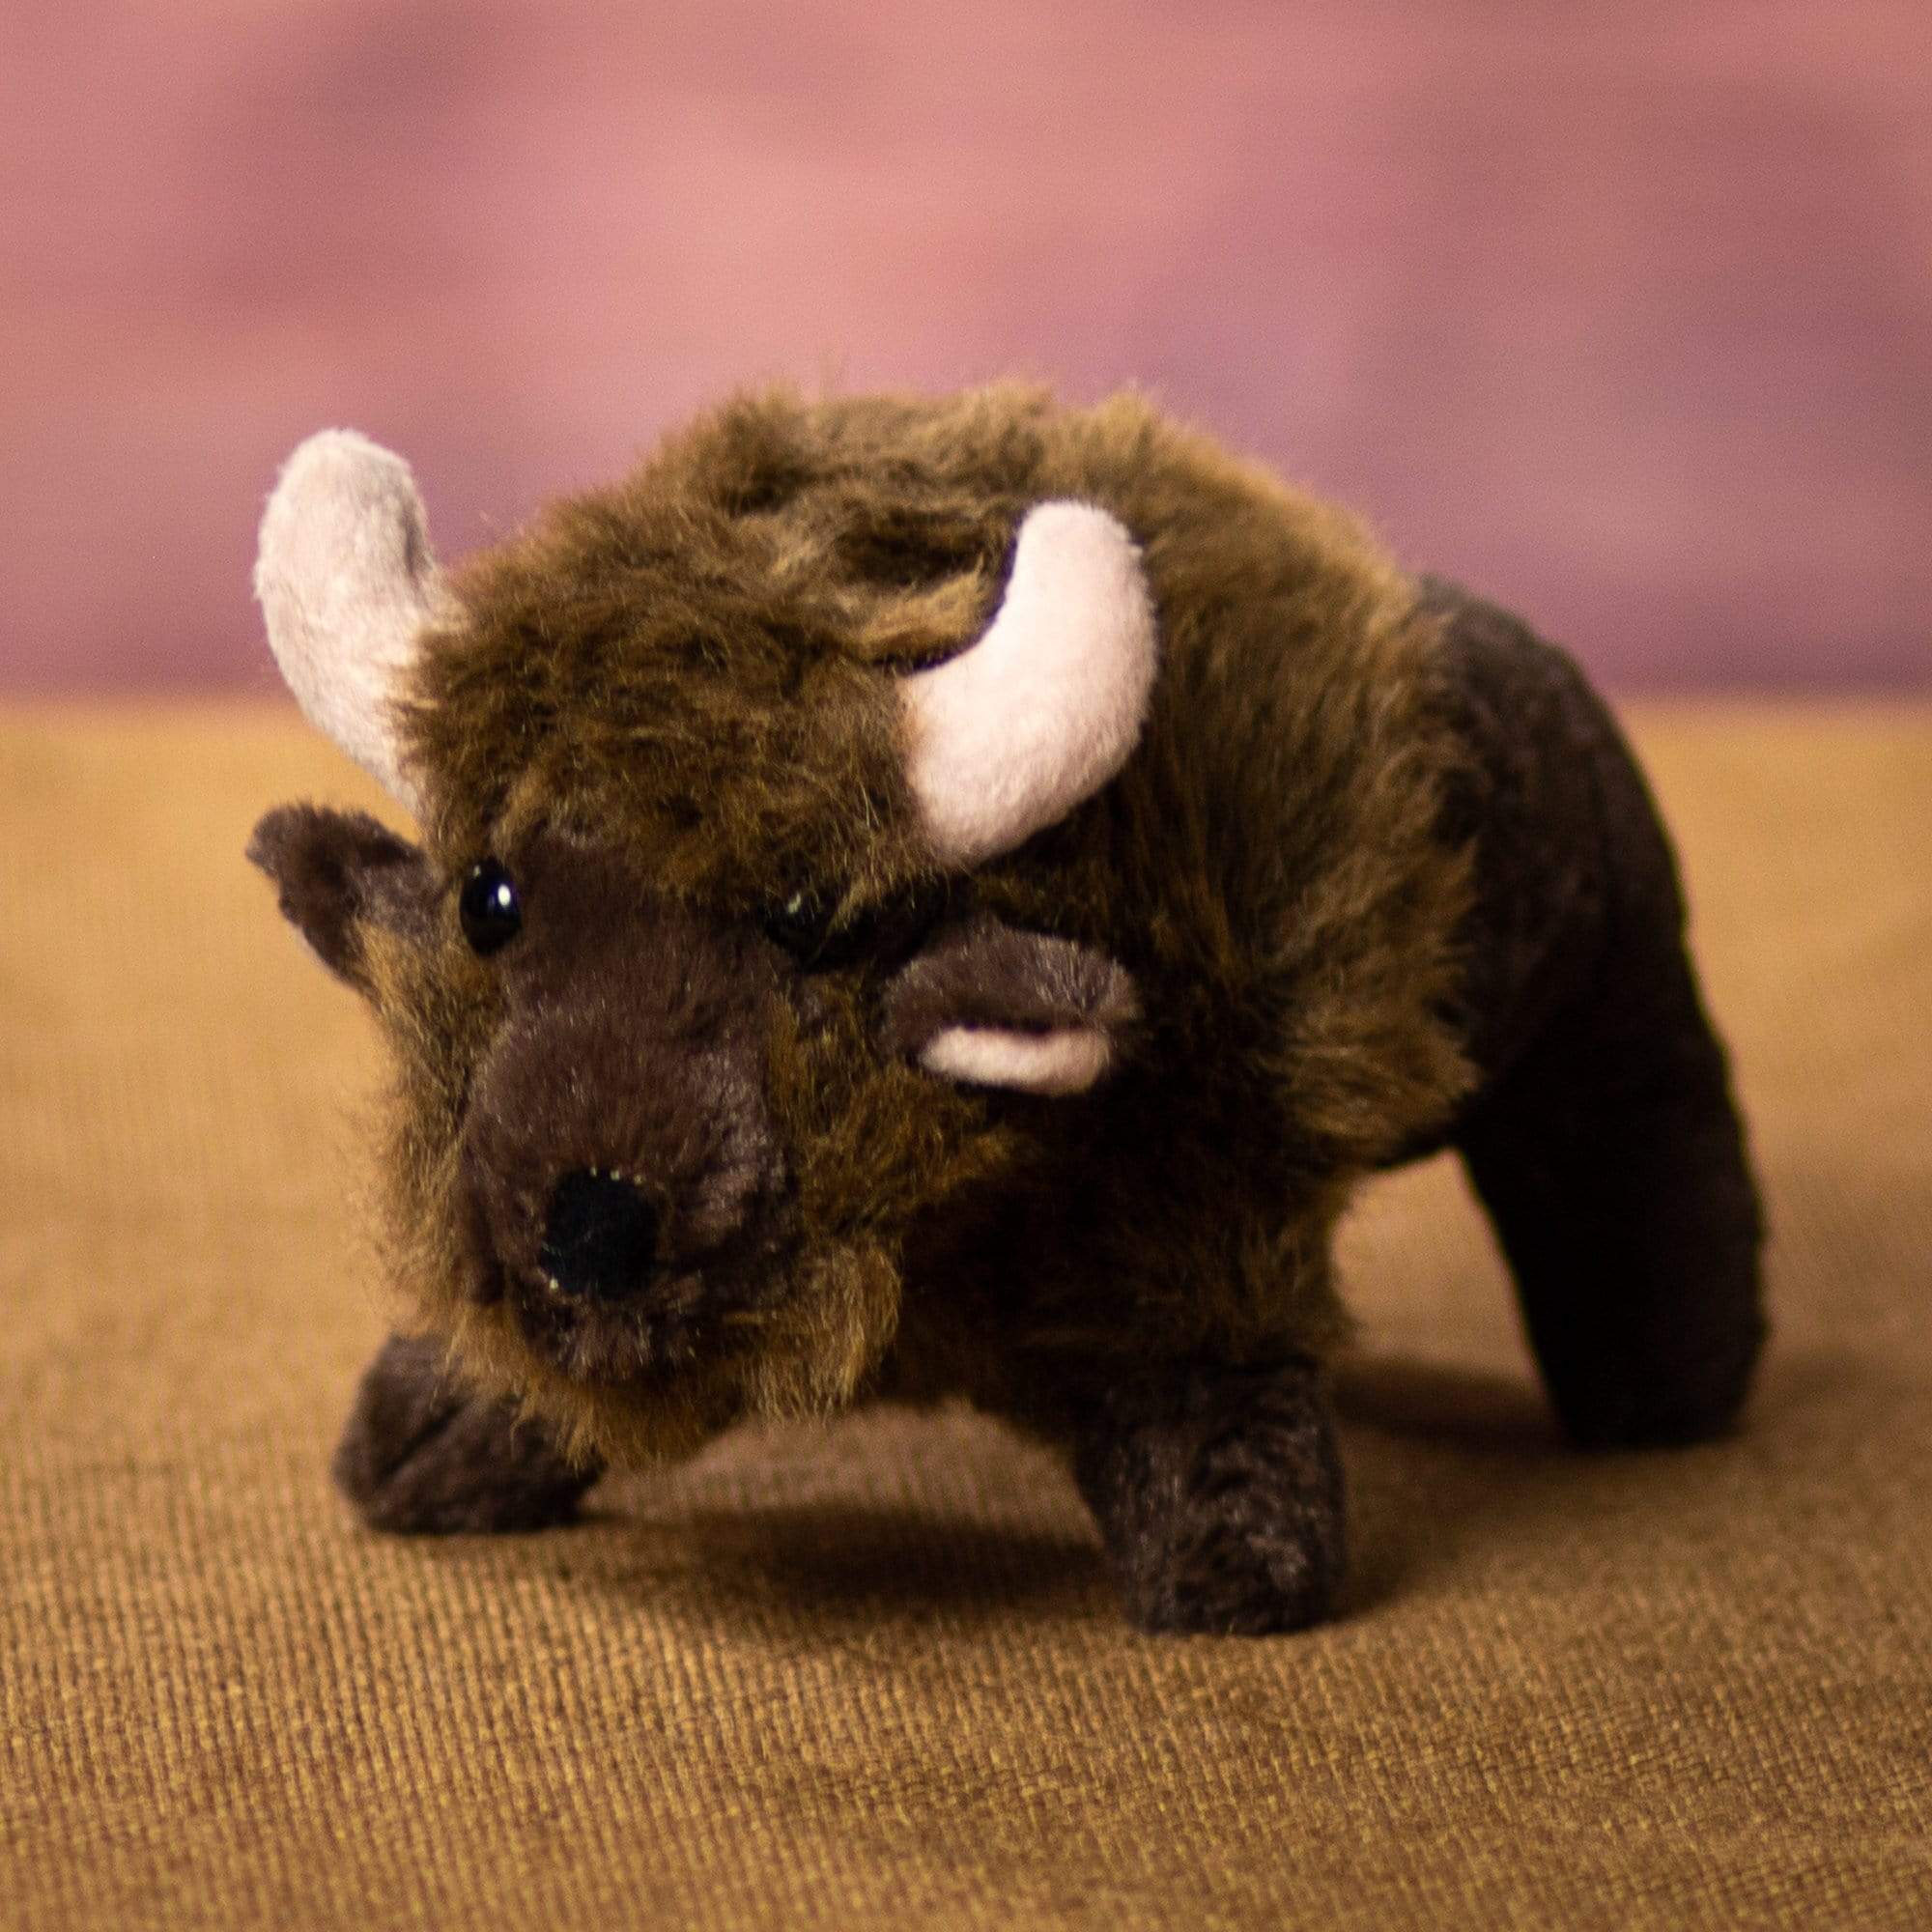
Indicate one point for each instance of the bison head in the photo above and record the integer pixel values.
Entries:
(722, 967)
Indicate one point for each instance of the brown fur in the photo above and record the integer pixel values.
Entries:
(1379, 876)
(684, 668)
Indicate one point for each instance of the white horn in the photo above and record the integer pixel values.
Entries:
(1012, 733)
(346, 580)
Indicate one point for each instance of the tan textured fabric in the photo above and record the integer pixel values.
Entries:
(875, 1677)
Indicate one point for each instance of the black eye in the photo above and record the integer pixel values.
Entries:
(798, 923)
(884, 933)
(491, 913)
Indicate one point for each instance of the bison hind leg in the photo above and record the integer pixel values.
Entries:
(1614, 1171)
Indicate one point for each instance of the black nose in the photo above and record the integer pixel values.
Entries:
(601, 1237)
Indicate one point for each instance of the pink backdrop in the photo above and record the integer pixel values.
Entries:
(1623, 314)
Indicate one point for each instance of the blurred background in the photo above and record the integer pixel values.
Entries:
(1623, 315)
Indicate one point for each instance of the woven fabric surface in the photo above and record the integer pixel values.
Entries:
(873, 1675)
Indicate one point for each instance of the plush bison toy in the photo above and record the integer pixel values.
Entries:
(926, 898)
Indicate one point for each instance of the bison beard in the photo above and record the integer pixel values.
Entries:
(948, 898)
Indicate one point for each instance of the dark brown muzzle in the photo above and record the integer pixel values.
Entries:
(625, 1183)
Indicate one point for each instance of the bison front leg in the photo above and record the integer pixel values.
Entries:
(423, 1455)
(1218, 1492)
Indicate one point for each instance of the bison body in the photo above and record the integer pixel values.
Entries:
(948, 898)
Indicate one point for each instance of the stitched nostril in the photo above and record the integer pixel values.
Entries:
(601, 1235)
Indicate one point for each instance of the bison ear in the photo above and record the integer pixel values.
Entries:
(339, 874)
(987, 1006)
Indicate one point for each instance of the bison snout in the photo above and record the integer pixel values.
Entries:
(600, 1237)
